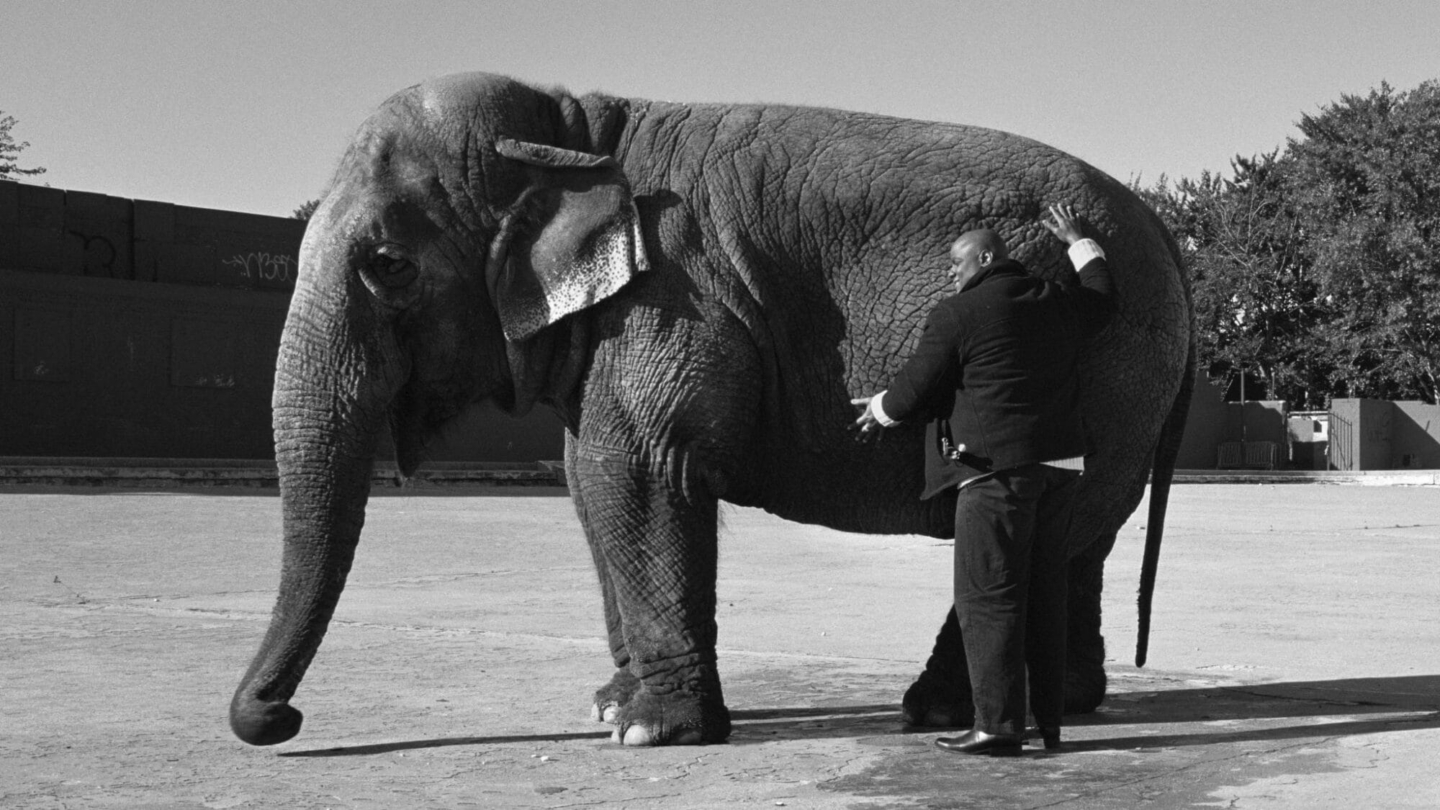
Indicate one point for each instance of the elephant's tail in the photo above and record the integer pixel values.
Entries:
(1166, 451)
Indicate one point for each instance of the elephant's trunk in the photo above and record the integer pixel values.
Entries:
(334, 382)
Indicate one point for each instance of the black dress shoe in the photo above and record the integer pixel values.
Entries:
(978, 742)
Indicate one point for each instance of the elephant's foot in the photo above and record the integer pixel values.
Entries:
(1084, 672)
(940, 697)
(935, 701)
(1084, 690)
(677, 718)
(613, 695)
(1084, 645)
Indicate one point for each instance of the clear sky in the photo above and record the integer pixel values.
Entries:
(246, 105)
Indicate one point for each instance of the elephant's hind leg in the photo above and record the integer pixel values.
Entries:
(941, 697)
(1085, 679)
(654, 540)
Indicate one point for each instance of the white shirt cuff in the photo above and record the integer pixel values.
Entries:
(879, 412)
(1084, 252)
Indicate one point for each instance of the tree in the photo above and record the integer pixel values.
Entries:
(1316, 270)
(1256, 303)
(10, 150)
(305, 211)
(1367, 183)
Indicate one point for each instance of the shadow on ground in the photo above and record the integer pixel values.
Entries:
(1212, 716)
(1170, 748)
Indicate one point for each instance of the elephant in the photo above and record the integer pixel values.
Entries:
(697, 291)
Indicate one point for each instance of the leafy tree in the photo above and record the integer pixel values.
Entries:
(1256, 302)
(1316, 270)
(10, 150)
(1367, 183)
(305, 211)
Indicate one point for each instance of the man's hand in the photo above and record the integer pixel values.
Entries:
(1063, 226)
(866, 425)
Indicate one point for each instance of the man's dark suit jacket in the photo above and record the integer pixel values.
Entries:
(999, 358)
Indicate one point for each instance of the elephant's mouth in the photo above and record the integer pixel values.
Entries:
(420, 413)
(411, 427)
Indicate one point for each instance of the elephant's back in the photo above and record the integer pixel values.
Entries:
(905, 174)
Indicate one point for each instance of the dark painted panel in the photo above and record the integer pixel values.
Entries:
(98, 236)
(42, 345)
(203, 354)
(9, 223)
(154, 240)
(41, 229)
(119, 399)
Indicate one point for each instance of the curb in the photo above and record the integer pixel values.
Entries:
(262, 474)
(1364, 478)
(256, 474)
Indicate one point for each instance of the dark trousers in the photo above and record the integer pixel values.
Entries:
(1010, 593)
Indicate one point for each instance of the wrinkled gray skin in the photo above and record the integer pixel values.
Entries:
(699, 310)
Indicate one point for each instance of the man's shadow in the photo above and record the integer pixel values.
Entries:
(1210, 715)
(1231, 714)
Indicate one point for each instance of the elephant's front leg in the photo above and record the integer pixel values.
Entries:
(623, 684)
(653, 537)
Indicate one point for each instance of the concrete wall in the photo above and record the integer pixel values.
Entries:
(1204, 426)
(1415, 435)
(77, 233)
(99, 367)
(147, 329)
(1212, 422)
(1370, 434)
(1359, 434)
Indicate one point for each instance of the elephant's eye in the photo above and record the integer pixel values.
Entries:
(391, 268)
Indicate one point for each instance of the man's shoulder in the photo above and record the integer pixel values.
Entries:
(1007, 283)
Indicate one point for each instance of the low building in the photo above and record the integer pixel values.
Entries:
(1372, 434)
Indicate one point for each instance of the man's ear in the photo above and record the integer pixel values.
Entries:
(571, 240)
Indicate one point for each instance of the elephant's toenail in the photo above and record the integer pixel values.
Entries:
(638, 735)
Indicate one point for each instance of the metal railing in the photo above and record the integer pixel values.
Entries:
(1341, 452)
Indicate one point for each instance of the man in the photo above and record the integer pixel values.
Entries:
(999, 359)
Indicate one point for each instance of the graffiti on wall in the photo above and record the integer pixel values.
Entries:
(98, 255)
(258, 266)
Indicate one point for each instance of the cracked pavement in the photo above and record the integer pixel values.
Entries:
(1295, 661)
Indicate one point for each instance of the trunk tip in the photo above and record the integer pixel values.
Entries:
(259, 723)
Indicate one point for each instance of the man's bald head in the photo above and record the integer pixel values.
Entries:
(985, 239)
(974, 251)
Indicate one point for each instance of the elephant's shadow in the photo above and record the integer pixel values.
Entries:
(1184, 717)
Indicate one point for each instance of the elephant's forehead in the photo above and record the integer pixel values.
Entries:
(469, 96)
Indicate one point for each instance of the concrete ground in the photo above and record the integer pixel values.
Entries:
(1295, 661)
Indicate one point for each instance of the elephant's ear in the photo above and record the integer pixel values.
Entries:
(572, 239)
